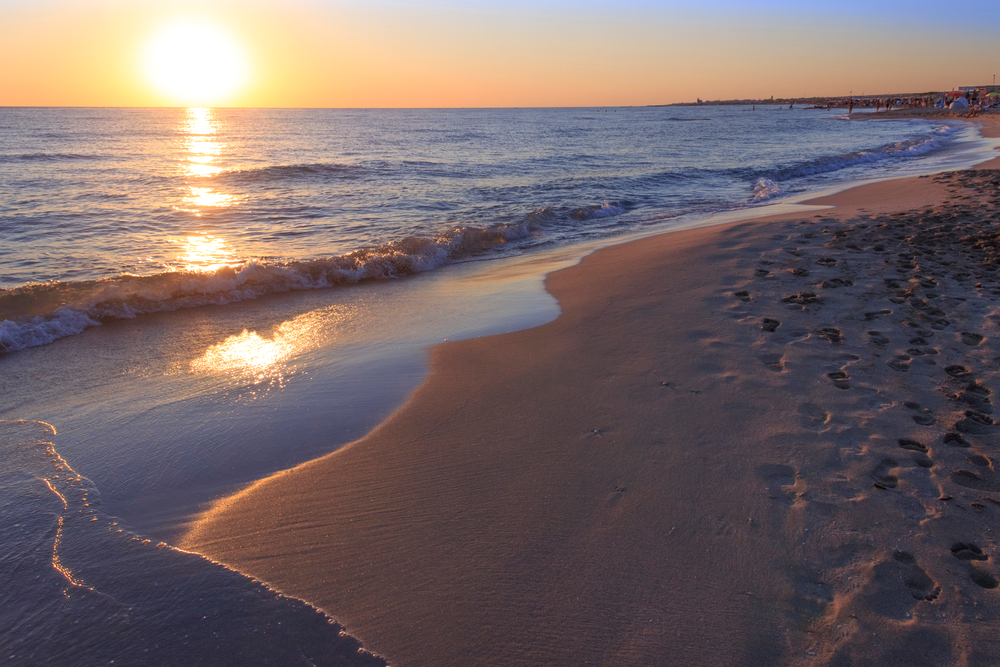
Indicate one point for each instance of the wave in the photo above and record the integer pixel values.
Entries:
(828, 163)
(38, 314)
(45, 157)
(597, 211)
(767, 186)
(765, 189)
(320, 170)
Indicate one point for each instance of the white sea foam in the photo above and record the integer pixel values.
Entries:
(39, 330)
(608, 210)
(765, 189)
(87, 304)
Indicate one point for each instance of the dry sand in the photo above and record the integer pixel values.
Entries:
(765, 443)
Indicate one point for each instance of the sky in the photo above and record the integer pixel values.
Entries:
(491, 53)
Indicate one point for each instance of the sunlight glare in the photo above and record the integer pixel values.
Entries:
(196, 63)
(250, 357)
(203, 148)
(206, 253)
(207, 197)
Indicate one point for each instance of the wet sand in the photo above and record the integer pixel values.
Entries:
(768, 442)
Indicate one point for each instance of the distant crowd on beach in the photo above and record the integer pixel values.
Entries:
(975, 101)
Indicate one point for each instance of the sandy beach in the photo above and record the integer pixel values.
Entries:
(767, 442)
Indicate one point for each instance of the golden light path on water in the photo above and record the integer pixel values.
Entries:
(205, 253)
(251, 357)
(203, 148)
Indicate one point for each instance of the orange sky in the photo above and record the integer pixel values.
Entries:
(385, 53)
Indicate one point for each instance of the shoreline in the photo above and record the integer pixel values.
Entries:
(654, 474)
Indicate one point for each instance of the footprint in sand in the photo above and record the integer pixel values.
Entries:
(901, 363)
(831, 334)
(957, 371)
(917, 581)
(773, 362)
(971, 480)
(883, 480)
(919, 452)
(975, 423)
(977, 395)
(973, 339)
(776, 478)
(895, 586)
(802, 299)
(912, 445)
(840, 379)
(968, 551)
(760, 273)
(877, 338)
(742, 295)
(983, 579)
(955, 440)
(813, 416)
(769, 325)
(925, 416)
(826, 261)
(834, 283)
(874, 315)
(799, 272)
(980, 460)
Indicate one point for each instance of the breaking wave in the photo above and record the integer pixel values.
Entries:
(594, 212)
(765, 189)
(38, 314)
(828, 163)
(767, 186)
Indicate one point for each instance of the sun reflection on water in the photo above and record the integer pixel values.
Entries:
(202, 151)
(205, 197)
(250, 357)
(205, 253)
(200, 121)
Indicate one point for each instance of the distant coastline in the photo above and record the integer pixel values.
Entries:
(836, 101)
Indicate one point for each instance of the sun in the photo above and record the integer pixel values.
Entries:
(195, 63)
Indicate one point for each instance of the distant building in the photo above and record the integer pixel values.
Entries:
(988, 89)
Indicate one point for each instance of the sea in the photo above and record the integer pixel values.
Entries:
(194, 299)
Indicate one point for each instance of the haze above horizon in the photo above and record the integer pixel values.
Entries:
(391, 53)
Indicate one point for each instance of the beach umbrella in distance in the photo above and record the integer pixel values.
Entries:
(993, 94)
(954, 93)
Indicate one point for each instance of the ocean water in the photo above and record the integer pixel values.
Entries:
(109, 213)
(192, 299)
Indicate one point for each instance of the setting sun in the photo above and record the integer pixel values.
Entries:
(195, 63)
